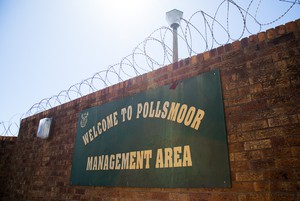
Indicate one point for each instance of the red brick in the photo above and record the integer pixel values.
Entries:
(179, 197)
(281, 30)
(200, 57)
(236, 147)
(194, 60)
(80, 191)
(244, 42)
(277, 152)
(260, 165)
(238, 101)
(265, 94)
(258, 144)
(220, 50)
(254, 125)
(282, 196)
(249, 176)
(276, 186)
(298, 23)
(212, 196)
(206, 55)
(290, 27)
(160, 196)
(295, 151)
(287, 163)
(243, 186)
(261, 36)
(253, 39)
(283, 120)
(248, 156)
(236, 45)
(228, 47)
(252, 197)
(271, 33)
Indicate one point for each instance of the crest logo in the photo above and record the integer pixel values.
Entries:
(84, 119)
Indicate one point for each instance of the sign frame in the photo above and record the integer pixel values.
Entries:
(173, 136)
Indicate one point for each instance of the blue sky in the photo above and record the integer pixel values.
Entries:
(47, 46)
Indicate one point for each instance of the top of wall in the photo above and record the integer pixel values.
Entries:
(260, 38)
(4, 138)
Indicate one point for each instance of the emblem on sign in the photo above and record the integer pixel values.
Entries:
(84, 119)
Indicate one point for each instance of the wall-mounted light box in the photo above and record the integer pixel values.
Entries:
(44, 128)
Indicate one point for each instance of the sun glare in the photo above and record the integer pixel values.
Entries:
(122, 11)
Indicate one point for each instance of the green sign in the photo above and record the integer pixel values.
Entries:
(172, 136)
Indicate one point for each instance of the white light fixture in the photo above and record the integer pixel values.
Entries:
(173, 18)
(44, 128)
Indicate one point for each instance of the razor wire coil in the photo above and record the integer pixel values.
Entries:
(141, 61)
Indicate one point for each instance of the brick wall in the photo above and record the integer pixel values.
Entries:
(261, 87)
(7, 144)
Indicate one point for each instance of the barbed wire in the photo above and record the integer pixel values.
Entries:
(201, 32)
